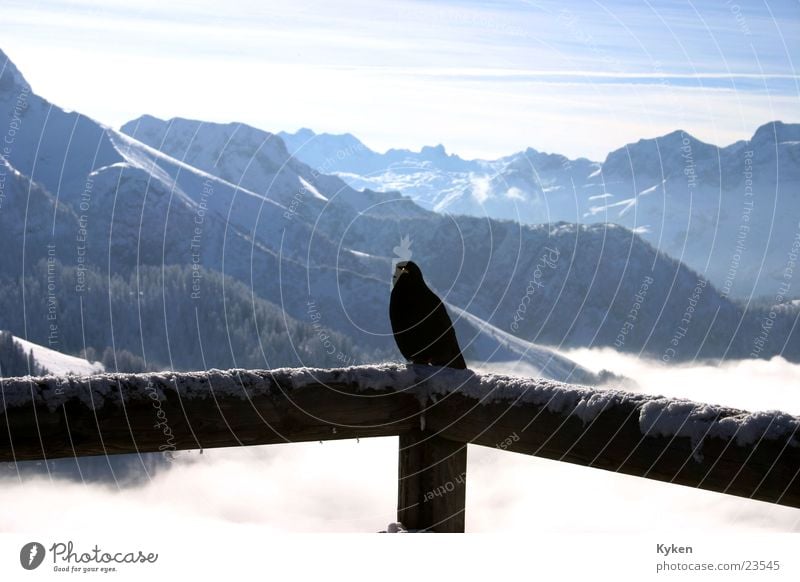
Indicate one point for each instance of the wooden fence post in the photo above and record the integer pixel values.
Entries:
(432, 484)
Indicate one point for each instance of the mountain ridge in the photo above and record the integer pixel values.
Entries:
(229, 199)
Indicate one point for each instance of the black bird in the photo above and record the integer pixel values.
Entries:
(422, 329)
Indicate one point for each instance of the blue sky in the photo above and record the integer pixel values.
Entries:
(483, 78)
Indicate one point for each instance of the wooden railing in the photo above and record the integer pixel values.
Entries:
(435, 412)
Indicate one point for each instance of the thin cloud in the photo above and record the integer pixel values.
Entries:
(485, 81)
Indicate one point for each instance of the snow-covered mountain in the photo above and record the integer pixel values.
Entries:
(231, 199)
(345, 153)
(482, 266)
(106, 200)
(226, 198)
(431, 177)
(258, 161)
(724, 211)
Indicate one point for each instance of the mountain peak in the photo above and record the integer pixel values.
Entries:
(11, 80)
(677, 136)
(305, 136)
(436, 150)
(141, 121)
(305, 133)
(777, 131)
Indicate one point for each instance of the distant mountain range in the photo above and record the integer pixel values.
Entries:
(724, 211)
(190, 244)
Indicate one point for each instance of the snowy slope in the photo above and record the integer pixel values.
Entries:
(487, 344)
(57, 363)
(259, 161)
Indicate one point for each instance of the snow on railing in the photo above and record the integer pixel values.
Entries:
(435, 411)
